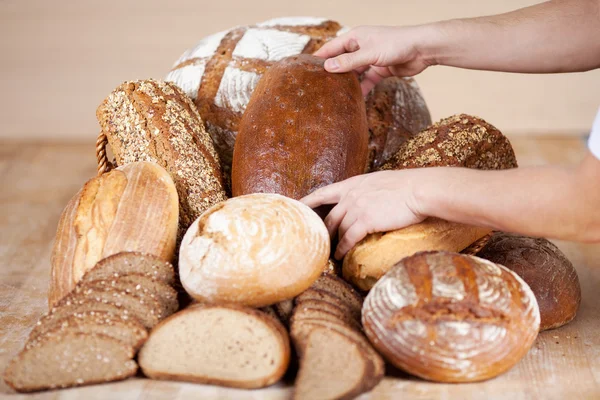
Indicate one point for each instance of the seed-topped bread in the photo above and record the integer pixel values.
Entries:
(131, 262)
(70, 359)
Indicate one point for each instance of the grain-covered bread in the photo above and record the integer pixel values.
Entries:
(125, 263)
(451, 318)
(254, 250)
(304, 128)
(458, 141)
(132, 208)
(70, 359)
(396, 111)
(155, 121)
(130, 332)
(547, 271)
(225, 345)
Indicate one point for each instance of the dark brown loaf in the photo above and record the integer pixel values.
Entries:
(396, 111)
(451, 318)
(551, 276)
(304, 128)
(155, 121)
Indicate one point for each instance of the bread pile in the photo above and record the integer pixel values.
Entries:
(266, 294)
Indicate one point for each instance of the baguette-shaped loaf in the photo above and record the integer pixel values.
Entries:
(155, 121)
(458, 141)
(132, 208)
(304, 128)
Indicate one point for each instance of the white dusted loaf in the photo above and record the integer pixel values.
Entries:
(254, 250)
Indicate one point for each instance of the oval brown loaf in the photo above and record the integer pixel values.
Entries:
(155, 121)
(254, 250)
(132, 208)
(304, 128)
(551, 276)
(451, 318)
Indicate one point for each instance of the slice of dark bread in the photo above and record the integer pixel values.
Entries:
(321, 295)
(130, 332)
(217, 344)
(332, 367)
(305, 312)
(69, 359)
(339, 288)
(125, 263)
(340, 310)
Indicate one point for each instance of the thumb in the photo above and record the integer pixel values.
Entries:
(349, 61)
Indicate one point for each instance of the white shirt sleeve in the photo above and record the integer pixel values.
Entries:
(594, 141)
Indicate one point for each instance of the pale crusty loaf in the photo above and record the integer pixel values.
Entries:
(70, 359)
(155, 121)
(253, 250)
(457, 141)
(450, 317)
(547, 271)
(132, 208)
(225, 345)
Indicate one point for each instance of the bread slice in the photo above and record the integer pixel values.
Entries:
(332, 367)
(132, 262)
(340, 288)
(70, 359)
(168, 302)
(225, 345)
(130, 332)
(339, 310)
(303, 311)
(318, 294)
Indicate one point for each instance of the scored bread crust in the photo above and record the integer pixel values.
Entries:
(281, 335)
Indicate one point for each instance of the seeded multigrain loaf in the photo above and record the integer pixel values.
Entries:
(126, 263)
(70, 359)
(225, 345)
(155, 121)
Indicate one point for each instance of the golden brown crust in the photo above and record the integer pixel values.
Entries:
(549, 274)
(155, 121)
(310, 143)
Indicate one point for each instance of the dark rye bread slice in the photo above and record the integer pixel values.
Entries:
(147, 311)
(309, 312)
(340, 288)
(318, 294)
(218, 344)
(124, 263)
(143, 287)
(332, 367)
(70, 359)
(130, 332)
(339, 310)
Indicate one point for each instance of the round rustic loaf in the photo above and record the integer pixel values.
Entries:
(222, 70)
(254, 250)
(449, 317)
(303, 129)
(458, 141)
(546, 270)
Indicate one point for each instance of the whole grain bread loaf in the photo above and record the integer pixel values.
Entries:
(125, 263)
(304, 128)
(155, 121)
(547, 271)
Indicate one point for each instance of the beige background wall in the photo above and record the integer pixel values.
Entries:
(60, 58)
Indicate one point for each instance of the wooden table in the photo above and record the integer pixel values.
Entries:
(38, 179)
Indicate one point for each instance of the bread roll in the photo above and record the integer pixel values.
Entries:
(458, 141)
(304, 128)
(132, 208)
(254, 250)
(551, 276)
(449, 317)
(155, 121)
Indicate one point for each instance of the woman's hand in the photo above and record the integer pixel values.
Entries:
(378, 52)
(376, 202)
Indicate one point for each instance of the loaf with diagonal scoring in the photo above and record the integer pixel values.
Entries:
(449, 317)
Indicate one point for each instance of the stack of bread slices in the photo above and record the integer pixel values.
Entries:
(93, 334)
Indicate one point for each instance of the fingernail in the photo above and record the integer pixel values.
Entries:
(332, 64)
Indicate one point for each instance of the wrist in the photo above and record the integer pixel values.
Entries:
(434, 42)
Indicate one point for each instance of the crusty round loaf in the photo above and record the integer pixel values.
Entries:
(450, 317)
(254, 250)
(551, 276)
(303, 129)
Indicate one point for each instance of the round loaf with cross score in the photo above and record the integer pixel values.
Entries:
(250, 111)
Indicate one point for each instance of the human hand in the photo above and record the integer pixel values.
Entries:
(378, 52)
(375, 202)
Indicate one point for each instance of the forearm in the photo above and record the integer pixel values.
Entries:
(561, 203)
(556, 36)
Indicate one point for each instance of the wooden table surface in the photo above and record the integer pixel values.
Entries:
(38, 179)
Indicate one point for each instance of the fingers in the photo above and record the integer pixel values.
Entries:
(350, 61)
(331, 194)
(334, 218)
(353, 235)
(337, 46)
(372, 77)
